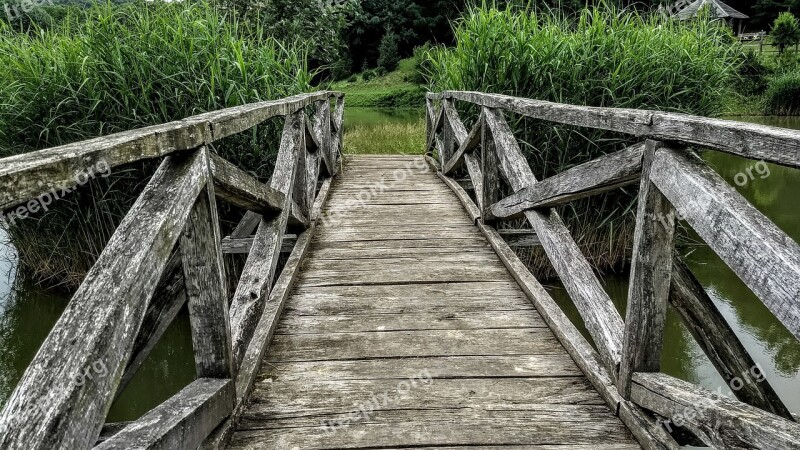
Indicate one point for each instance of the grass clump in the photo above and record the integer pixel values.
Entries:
(783, 95)
(603, 57)
(121, 67)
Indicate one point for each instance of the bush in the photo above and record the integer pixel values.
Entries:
(753, 73)
(389, 52)
(606, 58)
(125, 67)
(785, 31)
(783, 95)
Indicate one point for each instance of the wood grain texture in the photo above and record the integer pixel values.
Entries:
(651, 273)
(385, 295)
(760, 142)
(765, 258)
(594, 177)
(23, 177)
(207, 288)
(593, 303)
(100, 324)
(717, 420)
(182, 422)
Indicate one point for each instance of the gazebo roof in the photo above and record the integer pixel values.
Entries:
(719, 10)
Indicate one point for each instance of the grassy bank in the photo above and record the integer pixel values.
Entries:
(381, 131)
(604, 58)
(397, 89)
(121, 67)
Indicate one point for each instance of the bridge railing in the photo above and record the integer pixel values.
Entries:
(673, 181)
(167, 252)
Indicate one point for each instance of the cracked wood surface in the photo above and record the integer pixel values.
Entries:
(400, 289)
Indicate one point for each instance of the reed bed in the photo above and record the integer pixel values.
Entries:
(603, 56)
(124, 66)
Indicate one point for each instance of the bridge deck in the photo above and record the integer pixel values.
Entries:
(405, 330)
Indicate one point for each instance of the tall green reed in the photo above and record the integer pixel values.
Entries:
(603, 56)
(119, 67)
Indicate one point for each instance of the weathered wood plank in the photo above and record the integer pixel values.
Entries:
(720, 344)
(469, 205)
(207, 289)
(778, 145)
(651, 270)
(447, 320)
(719, 421)
(24, 177)
(762, 255)
(321, 128)
(182, 422)
(593, 303)
(324, 347)
(594, 177)
(520, 238)
(243, 245)
(649, 435)
(489, 169)
(239, 188)
(99, 326)
(286, 400)
(440, 428)
(507, 366)
(467, 144)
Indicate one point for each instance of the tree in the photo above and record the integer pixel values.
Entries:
(389, 53)
(785, 31)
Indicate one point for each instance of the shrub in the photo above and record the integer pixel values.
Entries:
(605, 58)
(783, 95)
(389, 52)
(753, 73)
(785, 31)
(125, 67)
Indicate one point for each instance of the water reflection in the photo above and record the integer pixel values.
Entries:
(765, 338)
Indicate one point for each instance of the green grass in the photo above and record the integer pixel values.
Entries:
(382, 131)
(120, 67)
(393, 90)
(605, 58)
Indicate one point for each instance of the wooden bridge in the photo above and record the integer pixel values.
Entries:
(402, 318)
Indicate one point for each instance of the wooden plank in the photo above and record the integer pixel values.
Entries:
(248, 369)
(96, 332)
(322, 128)
(762, 255)
(760, 142)
(593, 303)
(286, 400)
(26, 176)
(469, 205)
(182, 422)
(649, 435)
(446, 320)
(239, 188)
(489, 170)
(470, 142)
(719, 421)
(392, 344)
(243, 245)
(720, 344)
(507, 366)
(400, 243)
(600, 175)
(440, 428)
(430, 273)
(520, 238)
(651, 270)
(167, 301)
(207, 289)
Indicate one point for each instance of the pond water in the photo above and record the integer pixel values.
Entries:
(27, 313)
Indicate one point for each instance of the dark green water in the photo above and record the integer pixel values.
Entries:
(27, 313)
(774, 192)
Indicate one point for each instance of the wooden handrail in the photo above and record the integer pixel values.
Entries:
(100, 328)
(670, 174)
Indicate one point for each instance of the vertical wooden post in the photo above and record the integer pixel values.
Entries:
(299, 188)
(449, 142)
(490, 169)
(651, 269)
(206, 286)
(429, 123)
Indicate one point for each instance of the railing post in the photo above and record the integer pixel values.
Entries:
(651, 269)
(490, 168)
(206, 285)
